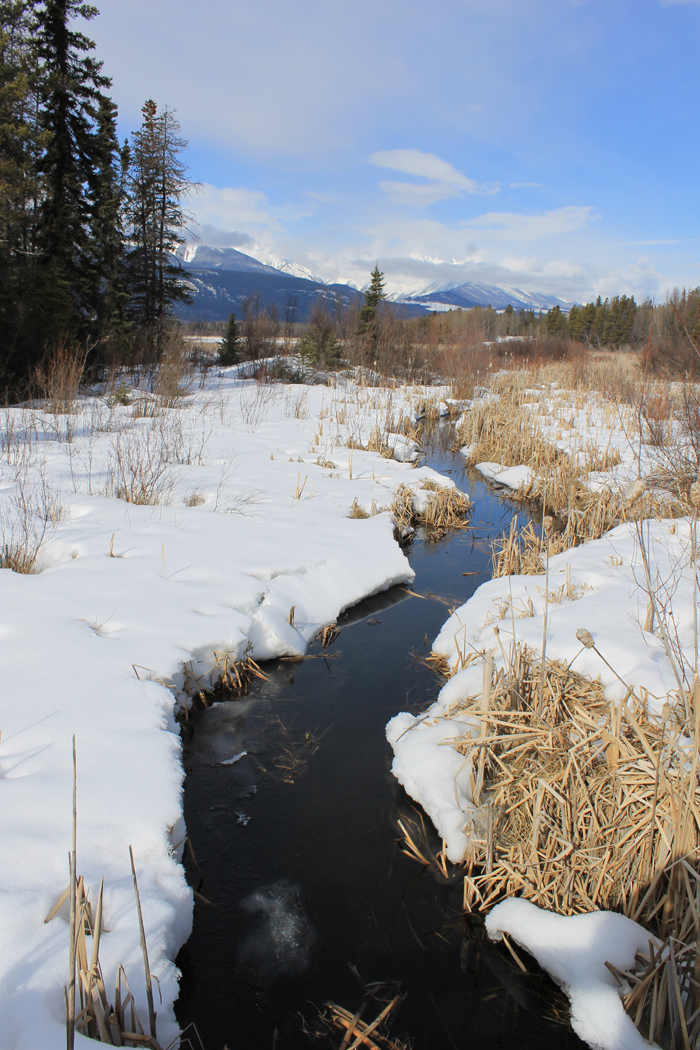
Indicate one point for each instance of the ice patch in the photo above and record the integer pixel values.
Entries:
(283, 944)
(234, 758)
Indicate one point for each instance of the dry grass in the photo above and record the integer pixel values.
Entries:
(58, 378)
(356, 511)
(588, 804)
(445, 509)
(507, 430)
(357, 1032)
(115, 1022)
(584, 803)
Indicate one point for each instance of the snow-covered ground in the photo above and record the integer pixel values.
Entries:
(245, 544)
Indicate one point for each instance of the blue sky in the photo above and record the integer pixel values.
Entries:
(551, 145)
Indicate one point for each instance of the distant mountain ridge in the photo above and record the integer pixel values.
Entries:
(472, 293)
(220, 278)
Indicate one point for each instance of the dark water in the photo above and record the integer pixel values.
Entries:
(298, 845)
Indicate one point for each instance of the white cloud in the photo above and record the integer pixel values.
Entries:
(230, 207)
(640, 279)
(418, 193)
(445, 180)
(427, 165)
(532, 227)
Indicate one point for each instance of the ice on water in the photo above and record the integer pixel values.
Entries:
(282, 945)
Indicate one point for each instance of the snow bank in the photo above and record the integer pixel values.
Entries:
(511, 477)
(573, 950)
(253, 551)
(430, 770)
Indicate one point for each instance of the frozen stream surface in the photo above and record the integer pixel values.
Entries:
(293, 817)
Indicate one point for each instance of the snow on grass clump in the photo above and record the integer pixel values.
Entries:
(182, 529)
(574, 949)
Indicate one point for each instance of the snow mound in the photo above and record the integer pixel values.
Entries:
(573, 949)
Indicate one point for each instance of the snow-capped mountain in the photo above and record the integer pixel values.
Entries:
(455, 296)
(295, 270)
(220, 278)
(208, 257)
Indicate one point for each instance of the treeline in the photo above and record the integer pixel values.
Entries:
(376, 335)
(88, 226)
(666, 334)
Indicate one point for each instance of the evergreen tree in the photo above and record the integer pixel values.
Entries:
(109, 292)
(157, 183)
(556, 322)
(373, 296)
(21, 142)
(72, 95)
(230, 348)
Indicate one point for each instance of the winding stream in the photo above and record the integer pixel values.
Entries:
(296, 841)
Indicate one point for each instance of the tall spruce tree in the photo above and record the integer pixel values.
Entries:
(21, 143)
(230, 347)
(108, 197)
(72, 96)
(157, 183)
(374, 295)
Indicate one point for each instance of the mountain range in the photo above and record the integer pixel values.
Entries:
(471, 293)
(220, 278)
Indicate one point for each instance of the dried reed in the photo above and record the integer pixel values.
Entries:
(506, 430)
(445, 508)
(589, 804)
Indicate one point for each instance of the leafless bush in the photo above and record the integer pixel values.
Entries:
(17, 441)
(244, 502)
(255, 402)
(33, 509)
(296, 405)
(669, 424)
(58, 378)
(185, 437)
(259, 328)
(139, 467)
(175, 373)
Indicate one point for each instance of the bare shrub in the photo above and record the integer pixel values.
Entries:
(259, 328)
(58, 378)
(17, 440)
(32, 510)
(174, 375)
(139, 467)
(244, 502)
(255, 401)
